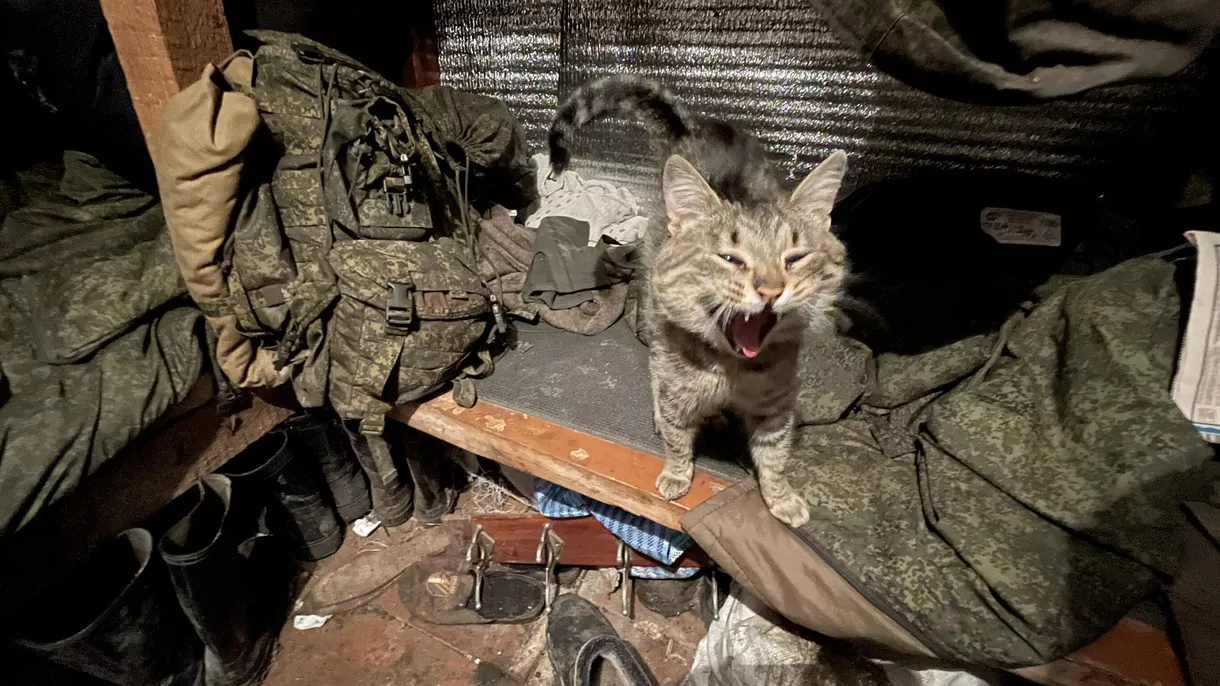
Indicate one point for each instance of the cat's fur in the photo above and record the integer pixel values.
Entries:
(730, 243)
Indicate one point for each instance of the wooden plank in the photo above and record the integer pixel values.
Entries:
(162, 46)
(587, 464)
(586, 542)
(159, 465)
(424, 67)
(1131, 653)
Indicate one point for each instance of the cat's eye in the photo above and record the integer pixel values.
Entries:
(795, 257)
(732, 259)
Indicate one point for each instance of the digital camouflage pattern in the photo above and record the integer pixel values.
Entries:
(382, 361)
(96, 338)
(1007, 497)
(353, 250)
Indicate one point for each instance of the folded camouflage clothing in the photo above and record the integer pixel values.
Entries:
(1003, 499)
(97, 338)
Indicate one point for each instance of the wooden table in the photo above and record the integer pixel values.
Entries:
(1133, 652)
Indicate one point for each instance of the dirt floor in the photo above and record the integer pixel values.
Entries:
(379, 642)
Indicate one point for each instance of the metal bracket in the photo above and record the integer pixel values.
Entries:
(550, 546)
(626, 585)
(478, 555)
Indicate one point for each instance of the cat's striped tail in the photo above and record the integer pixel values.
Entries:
(626, 94)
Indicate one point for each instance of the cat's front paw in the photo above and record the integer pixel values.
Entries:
(674, 483)
(790, 509)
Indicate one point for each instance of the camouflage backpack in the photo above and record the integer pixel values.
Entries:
(351, 254)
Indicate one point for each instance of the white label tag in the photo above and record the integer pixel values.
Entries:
(1022, 227)
(306, 622)
(365, 525)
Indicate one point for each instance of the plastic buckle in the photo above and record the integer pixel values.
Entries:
(399, 307)
(395, 189)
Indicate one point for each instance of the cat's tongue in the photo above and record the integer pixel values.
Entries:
(746, 332)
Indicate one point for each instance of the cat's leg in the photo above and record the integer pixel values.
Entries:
(770, 445)
(677, 422)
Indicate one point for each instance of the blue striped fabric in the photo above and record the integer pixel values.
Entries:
(643, 535)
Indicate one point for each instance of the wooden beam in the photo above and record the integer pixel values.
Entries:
(424, 67)
(586, 543)
(1131, 653)
(163, 46)
(586, 464)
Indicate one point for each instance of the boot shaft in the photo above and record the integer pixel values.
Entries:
(218, 585)
(115, 619)
(298, 506)
(318, 435)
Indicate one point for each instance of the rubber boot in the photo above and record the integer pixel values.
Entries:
(319, 435)
(115, 619)
(216, 587)
(297, 507)
(432, 472)
(579, 640)
(393, 502)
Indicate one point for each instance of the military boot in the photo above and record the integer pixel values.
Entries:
(115, 619)
(432, 472)
(298, 506)
(218, 588)
(319, 435)
(393, 497)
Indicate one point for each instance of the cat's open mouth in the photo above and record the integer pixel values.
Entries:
(746, 332)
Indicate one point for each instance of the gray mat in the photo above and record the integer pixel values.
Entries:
(596, 384)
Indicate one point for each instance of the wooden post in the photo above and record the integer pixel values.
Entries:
(163, 46)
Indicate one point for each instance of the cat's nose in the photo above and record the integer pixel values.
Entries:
(769, 290)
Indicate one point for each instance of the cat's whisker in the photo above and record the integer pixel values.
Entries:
(716, 252)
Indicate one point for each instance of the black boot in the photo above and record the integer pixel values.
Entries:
(393, 502)
(217, 587)
(432, 472)
(319, 435)
(116, 619)
(297, 507)
(579, 639)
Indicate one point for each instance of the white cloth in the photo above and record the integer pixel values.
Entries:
(610, 210)
(752, 645)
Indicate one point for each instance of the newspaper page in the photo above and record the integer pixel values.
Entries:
(1196, 389)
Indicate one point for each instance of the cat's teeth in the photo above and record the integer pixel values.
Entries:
(747, 317)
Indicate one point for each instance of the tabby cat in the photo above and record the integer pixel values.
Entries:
(736, 272)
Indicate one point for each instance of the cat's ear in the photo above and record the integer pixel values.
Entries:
(687, 195)
(816, 194)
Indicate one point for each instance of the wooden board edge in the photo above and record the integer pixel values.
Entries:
(589, 465)
(1130, 654)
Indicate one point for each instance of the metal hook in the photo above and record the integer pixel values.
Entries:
(478, 554)
(626, 584)
(552, 545)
